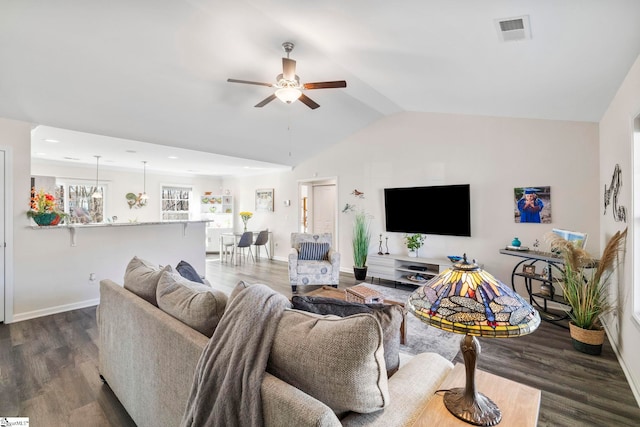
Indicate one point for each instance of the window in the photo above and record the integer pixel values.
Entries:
(82, 207)
(175, 203)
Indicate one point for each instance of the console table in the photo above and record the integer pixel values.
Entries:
(541, 272)
(397, 267)
(518, 403)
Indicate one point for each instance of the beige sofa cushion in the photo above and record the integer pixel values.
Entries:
(339, 361)
(141, 277)
(194, 304)
(389, 316)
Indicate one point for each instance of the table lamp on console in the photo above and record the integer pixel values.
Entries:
(467, 300)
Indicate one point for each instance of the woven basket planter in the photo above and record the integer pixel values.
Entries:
(586, 340)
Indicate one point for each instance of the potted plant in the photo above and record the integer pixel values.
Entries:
(585, 288)
(414, 242)
(360, 240)
(43, 208)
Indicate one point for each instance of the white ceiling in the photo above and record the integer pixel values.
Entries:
(155, 71)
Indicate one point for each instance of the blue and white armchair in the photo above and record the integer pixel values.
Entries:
(312, 261)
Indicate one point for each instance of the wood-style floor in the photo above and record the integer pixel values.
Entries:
(49, 366)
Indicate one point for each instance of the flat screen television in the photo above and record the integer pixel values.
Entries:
(441, 209)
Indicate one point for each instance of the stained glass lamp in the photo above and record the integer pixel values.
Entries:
(467, 300)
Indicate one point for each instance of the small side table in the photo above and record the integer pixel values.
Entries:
(518, 403)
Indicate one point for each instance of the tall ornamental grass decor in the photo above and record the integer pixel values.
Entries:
(361, 237)
(585, 288)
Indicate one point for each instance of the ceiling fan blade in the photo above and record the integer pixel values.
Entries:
(288, 69)
(308, 102)
(265, 101)
(325, 85)
(249, 82)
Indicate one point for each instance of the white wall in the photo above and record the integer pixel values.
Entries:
(494, 155)
(55, 275)
(616, 147)
(47, 274)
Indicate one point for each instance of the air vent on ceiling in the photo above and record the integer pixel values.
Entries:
(512, 29)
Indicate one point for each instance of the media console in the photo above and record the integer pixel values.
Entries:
(398, 267)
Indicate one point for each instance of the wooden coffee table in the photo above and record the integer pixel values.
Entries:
(331, 292)
(518, 403)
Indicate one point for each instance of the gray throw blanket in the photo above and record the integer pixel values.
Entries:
(227, 381)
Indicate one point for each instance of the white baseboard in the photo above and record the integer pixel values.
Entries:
(54, 310)
(635, 388)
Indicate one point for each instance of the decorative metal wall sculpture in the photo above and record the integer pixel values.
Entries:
(619, 212)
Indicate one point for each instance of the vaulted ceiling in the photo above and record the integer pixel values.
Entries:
(155, 71)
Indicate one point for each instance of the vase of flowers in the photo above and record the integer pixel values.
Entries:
(414, 242)
(43, 209)
(246, 216)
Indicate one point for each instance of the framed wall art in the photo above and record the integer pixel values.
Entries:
(533, 204)
(264, 200)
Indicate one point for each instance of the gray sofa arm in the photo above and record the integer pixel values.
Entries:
(147, 357)
(410, 389)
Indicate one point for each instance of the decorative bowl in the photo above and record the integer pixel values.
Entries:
(454, 258)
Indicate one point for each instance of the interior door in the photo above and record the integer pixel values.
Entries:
(2, 235)
(324, 208)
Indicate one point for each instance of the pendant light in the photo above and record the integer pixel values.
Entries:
(97, 194)
(144, 188)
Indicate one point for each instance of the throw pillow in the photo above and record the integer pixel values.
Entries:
(188, 272)
(192, 303)
(389, 317)
(313, 251)
(141, 277)
(339, 361)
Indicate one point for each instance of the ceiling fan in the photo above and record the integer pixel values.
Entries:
(288, 84)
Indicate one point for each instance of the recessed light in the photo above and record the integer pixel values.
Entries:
(53, 141)
(41, 154)
(70, 158)
(131, 151)
(172, 157)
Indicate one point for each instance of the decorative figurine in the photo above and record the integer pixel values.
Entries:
(386, 242)
(380, 247)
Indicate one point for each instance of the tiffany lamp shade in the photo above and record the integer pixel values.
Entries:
(467, 300)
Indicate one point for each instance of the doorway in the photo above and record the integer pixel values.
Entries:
(3, 194)
(318, 207)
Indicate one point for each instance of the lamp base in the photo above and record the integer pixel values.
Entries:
(475, 408)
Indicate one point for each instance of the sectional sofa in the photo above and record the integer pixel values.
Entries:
(149, 352)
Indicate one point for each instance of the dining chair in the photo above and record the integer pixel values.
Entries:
(227, 248)
(245, 241)
(261, 240)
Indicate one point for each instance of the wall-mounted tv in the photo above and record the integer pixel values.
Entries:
(441, 209)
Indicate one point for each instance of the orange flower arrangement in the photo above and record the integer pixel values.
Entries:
(44, 204)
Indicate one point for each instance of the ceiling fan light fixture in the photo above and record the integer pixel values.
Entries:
(288, 94)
